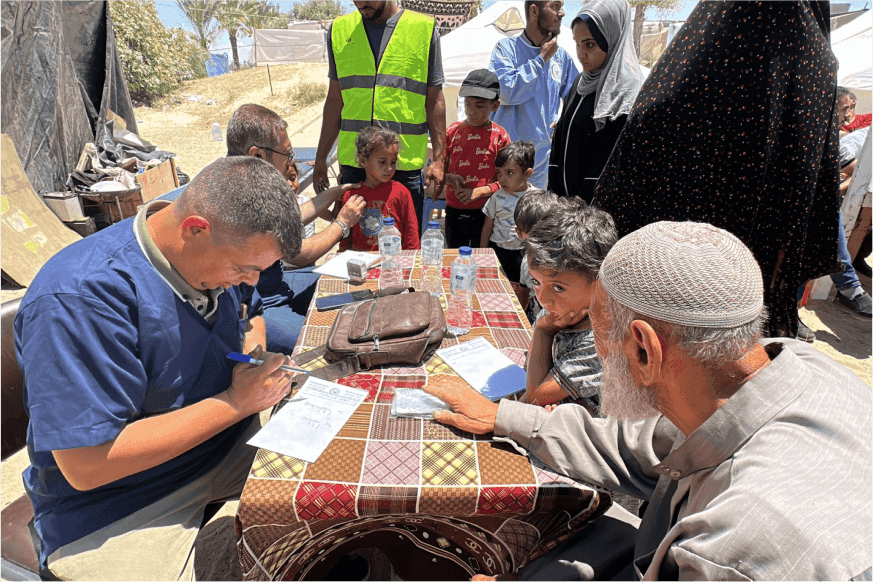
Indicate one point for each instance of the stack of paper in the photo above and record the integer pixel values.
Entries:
(485, 368)
(336, 267)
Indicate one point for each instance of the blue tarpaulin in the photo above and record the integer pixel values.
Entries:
(217, 65)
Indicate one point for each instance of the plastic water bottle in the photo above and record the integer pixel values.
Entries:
(216, 131)
(460, 314)
(432, 259)
(389, 248)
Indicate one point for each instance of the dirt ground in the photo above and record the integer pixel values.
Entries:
(185, 128)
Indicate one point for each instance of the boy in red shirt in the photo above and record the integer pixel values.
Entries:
(471, 147)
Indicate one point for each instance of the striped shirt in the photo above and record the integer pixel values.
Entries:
(575, 365)
(777, 484)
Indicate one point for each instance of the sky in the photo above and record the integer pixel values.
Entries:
(172, 16)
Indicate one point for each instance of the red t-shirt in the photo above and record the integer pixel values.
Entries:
(470, 152)
(388, 199)
(860, 122)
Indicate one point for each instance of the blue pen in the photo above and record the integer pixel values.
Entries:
(246, 359)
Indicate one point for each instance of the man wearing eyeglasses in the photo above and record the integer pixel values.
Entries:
(259, 132)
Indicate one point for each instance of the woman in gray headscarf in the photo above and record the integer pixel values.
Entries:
(600, 100)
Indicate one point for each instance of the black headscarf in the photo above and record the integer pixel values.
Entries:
(736, 126)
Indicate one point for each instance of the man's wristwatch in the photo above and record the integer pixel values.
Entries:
(344, 226)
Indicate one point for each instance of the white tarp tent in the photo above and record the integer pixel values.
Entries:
(469, 46)
(301, 41)
(851, 45)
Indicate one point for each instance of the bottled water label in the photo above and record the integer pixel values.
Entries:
(389, 245)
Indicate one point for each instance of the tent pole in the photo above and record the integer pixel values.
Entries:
(271, 80)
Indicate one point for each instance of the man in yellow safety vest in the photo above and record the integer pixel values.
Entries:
(385, 68)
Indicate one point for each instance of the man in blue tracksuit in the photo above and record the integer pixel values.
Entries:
(535, 74)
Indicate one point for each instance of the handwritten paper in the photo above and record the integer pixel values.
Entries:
(336, 267)
(308, 422)
(485, 368)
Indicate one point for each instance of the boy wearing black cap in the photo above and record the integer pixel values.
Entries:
(471, 148)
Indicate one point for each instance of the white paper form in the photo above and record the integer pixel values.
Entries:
(308, 422)
(336, 267)
(485, 368)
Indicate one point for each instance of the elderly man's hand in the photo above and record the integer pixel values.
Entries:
(471, 411)
(352, 210)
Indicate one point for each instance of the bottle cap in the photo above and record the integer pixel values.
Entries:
(388, 221)
(465, 251)
(433, 224)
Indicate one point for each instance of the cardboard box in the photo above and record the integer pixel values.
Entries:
(158, 180)
(31, 232)
(65, 205)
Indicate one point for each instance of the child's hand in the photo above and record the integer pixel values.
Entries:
(453, 180)
(552, 323)
(465, 195)
(480, 192)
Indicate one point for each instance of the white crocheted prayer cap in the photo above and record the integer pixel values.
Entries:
(688, 273)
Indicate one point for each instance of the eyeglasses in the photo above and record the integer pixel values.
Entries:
(289, 156)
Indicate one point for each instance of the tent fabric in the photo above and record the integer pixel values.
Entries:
(282, 46)
(217, 65)
(91, 42)
(469, 46)
(57, 86)
(42, 106)
(448, 14)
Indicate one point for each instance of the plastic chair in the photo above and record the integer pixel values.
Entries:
(427, 209)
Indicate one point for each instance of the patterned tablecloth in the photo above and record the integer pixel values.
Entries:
(439, 502)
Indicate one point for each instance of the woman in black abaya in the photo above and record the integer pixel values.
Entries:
(736, 126)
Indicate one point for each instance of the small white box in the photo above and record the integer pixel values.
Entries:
(65, 205)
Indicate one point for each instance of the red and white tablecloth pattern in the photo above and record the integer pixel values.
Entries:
(440, 502)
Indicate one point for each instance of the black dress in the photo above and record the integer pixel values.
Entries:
(736, 126)
(578, 152)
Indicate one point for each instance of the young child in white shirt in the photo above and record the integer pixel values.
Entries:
(514, 164)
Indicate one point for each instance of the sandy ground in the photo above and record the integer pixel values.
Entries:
(185, 129)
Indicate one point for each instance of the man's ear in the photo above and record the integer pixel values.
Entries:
(194, 225)
(648, 353)
(253, 152)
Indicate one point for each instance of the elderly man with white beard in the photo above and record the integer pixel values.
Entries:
(754, 454)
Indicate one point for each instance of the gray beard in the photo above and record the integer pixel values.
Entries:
(623, 398)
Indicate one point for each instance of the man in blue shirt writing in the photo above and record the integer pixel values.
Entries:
(535, 74)
(137, 418)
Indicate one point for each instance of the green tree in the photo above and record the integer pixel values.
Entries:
(640, 6)
(201, 14)
(231, 19)
(154, 58)
(318, 10)
(261, 15)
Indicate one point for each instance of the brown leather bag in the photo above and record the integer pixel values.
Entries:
(391, 329)
(397, 329)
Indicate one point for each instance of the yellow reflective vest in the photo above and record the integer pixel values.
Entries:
(391, 97)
